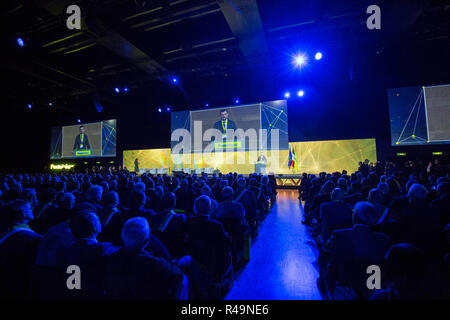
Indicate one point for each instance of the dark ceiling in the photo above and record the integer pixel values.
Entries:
(140, 42)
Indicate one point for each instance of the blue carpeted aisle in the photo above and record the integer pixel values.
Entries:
(282, 260)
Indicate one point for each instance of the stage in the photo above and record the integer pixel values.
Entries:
(310, 157)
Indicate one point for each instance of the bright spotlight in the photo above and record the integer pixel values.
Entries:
(125, 89)
(159, 110)
(174, 80)
(168, 109)
(20, 42)
(300, 93)
(29, 106)
(236, 101)
(117, 90)
(207, 105)
(79, 120)
(318, 56)
(299, 60)
(287, 94)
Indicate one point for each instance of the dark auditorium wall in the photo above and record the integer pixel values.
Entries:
(345, 97)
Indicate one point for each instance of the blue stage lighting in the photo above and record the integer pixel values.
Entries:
(287, 94)
(20, 42)
(207, 105)
(79, 120)
(300, 93)
(117, 90)
(168, 109)
(159, 110)
(299, 60)
(29, 106)
(236, 101)
(125, 89)
(318, 56)
(174, 80)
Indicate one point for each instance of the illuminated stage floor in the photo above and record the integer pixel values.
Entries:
(283, 259)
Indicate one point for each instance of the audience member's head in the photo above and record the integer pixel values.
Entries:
(159, 192)
(111, 199)
(29, 195)
(241, 183)
(384, 188)
(85, 225)
(365, 213)
(140, 186)
(327, 187)
(135, 234)
(356, 187)
(202, 205)
(169, 201)
(375, 196)
(16, 212)
(417, 193)
(136, 200)
(338, 194)
(227, 194)
(94, 194)
(67, 201)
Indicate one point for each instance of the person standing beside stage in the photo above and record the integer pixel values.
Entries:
(81, 141)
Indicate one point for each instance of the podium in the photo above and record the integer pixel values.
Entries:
(260, 167)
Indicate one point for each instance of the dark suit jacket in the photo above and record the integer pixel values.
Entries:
(17, 255)
(335, 215)
(173, 235)
(139, 275)
(91, 257)
(230, 125)
(77, 144)
(349, 253)
(208, 244)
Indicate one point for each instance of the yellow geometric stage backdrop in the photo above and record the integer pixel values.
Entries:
(311, 157)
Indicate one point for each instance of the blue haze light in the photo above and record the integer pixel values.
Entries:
(318, 56)
(20, 42)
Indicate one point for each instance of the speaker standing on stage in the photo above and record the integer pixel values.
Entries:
(224, 123)
(262, 158)
(81, 141)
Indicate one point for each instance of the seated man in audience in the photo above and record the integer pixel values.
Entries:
(248, 199)
(336, 214)
(55, 214)
(87, 253)
(443, 202)
(169, 226)
(185, 197)
(207, 241)
(18, 249)
(94, 197)
(344, 258)
(206, 191)
(132, 273)
(406, 276)
(417, 222)
(111, 201)
(313, 215)
(232, 216)
(356, 194)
